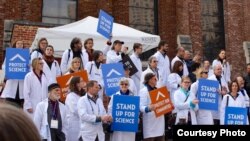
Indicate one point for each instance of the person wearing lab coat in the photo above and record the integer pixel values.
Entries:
(51, 67)
(226, 71)
(76, 87)
(135, 58)
(231, 99)
(204, 117)
(75, 66)
(132, 86)
(88, 48)
(153, 127)
(207, 67)
(39, 51)
(174, 79)
(13, 90)
(115, 55)
(35, 87)
(94, 70)
(50, 116)
(92, 113)
(74, 51)
(179, 56)
(163, 63)
(121, 135)
(222, 90)
(185, 104)
(152, 68)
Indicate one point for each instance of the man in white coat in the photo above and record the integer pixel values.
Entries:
(223, 89)
(92, 113)
(153, 127)
(136, 60)
(179, 56)
(115, 55)
(50, 116)
(163, 63)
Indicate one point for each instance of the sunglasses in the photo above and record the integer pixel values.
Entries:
(126, 84)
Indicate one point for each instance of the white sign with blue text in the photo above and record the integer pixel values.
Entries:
(112, 74)
(17, 63)
(105, 24)
(235, 116)
(125, 113)
(208, 95)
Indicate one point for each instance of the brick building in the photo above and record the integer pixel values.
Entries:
(211, 24)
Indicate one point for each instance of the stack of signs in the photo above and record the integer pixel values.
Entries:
(17, 63)
(64, 82)
(105, 24)
(208, 94)
(112, 74)
(125, 113)
(161, 99)
(235, 116)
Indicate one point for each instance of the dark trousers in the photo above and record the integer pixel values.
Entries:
(216, 122)
(96, 139)
(160, 138)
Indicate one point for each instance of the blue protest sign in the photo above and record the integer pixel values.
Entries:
(208, 94)
(235, 116)
(105, 24)
(17, 63)
(112, 73)
(125, 113)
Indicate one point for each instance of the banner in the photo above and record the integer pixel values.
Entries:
(64, 82)
(17, 63)
(235, 116)
(105, 24)
(129, 64)
(161, 99)
(112, 73)
(208, 95)
(125, 113)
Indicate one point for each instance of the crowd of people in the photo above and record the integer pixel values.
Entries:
(82, 116)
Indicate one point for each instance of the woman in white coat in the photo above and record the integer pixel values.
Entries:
(51, 67)
(231, 99)
(226, 71)
(39, 51)
(185, 104)
(120, 135)
(13, 90)
(94, 69)
(76, 87)
(35, 87)
(50, 116)
(204, 117)
(75, 65)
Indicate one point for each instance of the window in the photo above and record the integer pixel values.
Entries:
(141, 15)
(59, 11)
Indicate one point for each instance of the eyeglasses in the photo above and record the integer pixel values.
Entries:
(155, 61)
(204, 72)
(76, 62)
(126, 84)
(186, 82)
(40, 63)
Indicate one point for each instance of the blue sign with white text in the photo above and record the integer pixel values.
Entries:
(208, 95)
(125, 113)
(112, 73)
(17, 63)
(105, 24)
(235, 116)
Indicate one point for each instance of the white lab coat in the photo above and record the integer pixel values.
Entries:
(51, 73)
(216, 114)
(137, 76)
(152, 126)
(72, 117)
(95, 74)
(204, 117)
(34, 91)
(185, 68)
(174, 80)
(119, 135)
(149, 70)
(88, 111)
(245, 97)
(112, 57)
(10, 88)
(238, 102)
(164, 68)
(226, 71)
(41, 119)
(183, 107)
(67, 58)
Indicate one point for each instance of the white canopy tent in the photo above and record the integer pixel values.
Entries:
(61, 36)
